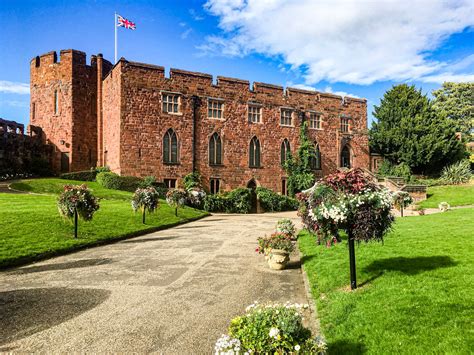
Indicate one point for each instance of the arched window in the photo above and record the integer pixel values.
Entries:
(215, 150)
(285, 151)
(345, 157)
(315, 159)
(254, 153)
(170, 147)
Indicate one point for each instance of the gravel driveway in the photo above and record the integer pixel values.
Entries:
(172, 291)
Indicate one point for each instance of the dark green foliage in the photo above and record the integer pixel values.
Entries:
(39, 167)
(235, 201)
(458, 173)
(113, 181)
(192, 180)
(456, 102)
(85, 175)
(298, 167)
(400, 170)
(148, 181)
(273, 202)
(409, 130)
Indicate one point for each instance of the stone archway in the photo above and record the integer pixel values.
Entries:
(252, 185)
(346, 157)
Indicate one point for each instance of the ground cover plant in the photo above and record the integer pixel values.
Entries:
(416, 291)
(455, 195)
(33, 229)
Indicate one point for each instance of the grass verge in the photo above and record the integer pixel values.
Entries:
(415, 294)
(455, 195)
(31, 228)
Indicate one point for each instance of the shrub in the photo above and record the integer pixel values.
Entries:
(457, 173)
(196, 197)
(77, 198)
(273, 202)
(270, 329)
(148, 181)
(286, 226)
(216, 203)
(85, 175)
(240, 200)
(114, 181)
(401, 170)
(192, 180)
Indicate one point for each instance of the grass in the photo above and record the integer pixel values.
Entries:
(32, 229)
(416, 291)
(455, 195)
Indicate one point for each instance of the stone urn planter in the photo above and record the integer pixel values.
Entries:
(266, 252)
(278, 259)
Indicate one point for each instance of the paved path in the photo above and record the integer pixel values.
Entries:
(172, 291)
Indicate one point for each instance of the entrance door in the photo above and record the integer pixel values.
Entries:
(65, 162)
(252, 185)
(345, 157)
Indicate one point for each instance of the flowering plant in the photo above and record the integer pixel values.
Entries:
(270, 329)
(176, 198)
(77, 198)
(145, 199)
(276, 240)
(402, 199)
(196, 197)
(286, 226)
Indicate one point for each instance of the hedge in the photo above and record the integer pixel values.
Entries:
(235, 201)
(273, 202)
(113, 181)
(85, 175)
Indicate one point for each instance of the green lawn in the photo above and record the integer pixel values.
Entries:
(455, 195)
(416, 291)
(31, 227)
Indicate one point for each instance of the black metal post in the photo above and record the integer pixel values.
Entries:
(75, 222)
(143, 216)
(352, 261)
(176, 211)
(401, 210)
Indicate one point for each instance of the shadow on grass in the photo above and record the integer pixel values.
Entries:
(63, 266)
(143, 240)
(346, 347)
(26, 312)
(307, 258)
(410, 266)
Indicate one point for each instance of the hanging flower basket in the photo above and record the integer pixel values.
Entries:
(145, 199)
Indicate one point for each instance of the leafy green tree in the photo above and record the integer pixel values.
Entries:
(298, 167)
(408, 130)
(456, 102)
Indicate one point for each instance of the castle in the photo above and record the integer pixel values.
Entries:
(135, 120)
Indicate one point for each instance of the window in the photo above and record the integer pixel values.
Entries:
(170, 147)
(255, 114)
(215, 186)
(285, 151)
(345, 157)
(284, 189)
(254, 153)
(345, 124)
(215, 150)
(315, 159)
(56, 102)
(315, 120)
(215, 108)
(171, 103)
(170, 183)
(285, 117)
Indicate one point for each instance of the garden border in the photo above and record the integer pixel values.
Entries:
(48, 255)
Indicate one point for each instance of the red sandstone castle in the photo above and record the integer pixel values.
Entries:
(132, 118)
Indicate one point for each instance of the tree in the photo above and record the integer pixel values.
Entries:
(456, 102)
(408, 130)
(298, 167)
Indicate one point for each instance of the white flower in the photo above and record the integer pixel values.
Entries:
(297, 347)
(274, 332)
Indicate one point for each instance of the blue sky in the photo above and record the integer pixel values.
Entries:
(349, 47)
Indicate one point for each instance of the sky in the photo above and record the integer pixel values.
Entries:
(356, 48)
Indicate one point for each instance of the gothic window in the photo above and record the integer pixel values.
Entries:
(285, 117)
(215, 150)
(345, 157)
(315, 120)
(215, 108)
(345, 124)
(285, 151)
(315, 159)
(215, 186)
(170, 103)
(255, 113)
(254, 153)
(170, 147)
(170, 183)
(284, 188)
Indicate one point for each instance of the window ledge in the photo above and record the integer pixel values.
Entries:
(287, 125)
(173, 113)
(165, 163)
(317, 129)
(216, 165)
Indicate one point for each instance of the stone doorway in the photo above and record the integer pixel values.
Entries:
(252, 185)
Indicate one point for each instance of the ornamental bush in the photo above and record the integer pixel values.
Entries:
(457, 173)
(196, 197)
(276, 240)
(270, 329)
(401, 199)
(235, 201)
(273, 202)
(86, 175)
(77, 198)
(176, 198)
(145, 199)
(114, 181)
(286, 226)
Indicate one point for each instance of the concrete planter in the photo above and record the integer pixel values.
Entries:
(278, 259)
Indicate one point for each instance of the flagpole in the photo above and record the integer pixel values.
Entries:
(115, 26)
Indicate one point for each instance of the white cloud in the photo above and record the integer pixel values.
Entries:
(327, 89)
(11, 87)
(195, 15)
(357, 42)
(186, 33)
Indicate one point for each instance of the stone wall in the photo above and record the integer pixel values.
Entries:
(142, 125)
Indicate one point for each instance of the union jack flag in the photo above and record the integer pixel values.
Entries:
(123, 22)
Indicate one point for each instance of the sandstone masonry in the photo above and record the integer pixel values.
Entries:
(115, 116)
